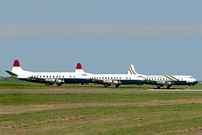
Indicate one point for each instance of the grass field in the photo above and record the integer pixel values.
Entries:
(39, 114)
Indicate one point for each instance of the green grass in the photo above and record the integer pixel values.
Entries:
(27, 99)
(119, 118)
(99, 113)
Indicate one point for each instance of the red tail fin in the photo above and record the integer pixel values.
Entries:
(16, 63)
(79, 69)
(78, 66)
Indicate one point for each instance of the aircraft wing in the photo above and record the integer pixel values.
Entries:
(159, 82)
(97, 81)
(11, 73)
(151, 81)
(39, 79)
(108, 81)
(52, 80)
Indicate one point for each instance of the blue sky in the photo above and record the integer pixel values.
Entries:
(158, 37)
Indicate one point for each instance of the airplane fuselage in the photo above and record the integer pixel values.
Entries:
(117, 79)
(56, 77)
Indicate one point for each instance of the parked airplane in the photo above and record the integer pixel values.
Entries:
(50, 78)
(117, 79)
(168, 80)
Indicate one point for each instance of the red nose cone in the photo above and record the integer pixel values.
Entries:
(78, 66)
(16, 63)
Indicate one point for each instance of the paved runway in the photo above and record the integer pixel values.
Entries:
(100, 91)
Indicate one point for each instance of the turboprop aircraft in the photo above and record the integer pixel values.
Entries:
(117, 79)
(50, 78)
(168, 80)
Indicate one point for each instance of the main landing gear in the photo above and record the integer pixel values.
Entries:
(107, 85)
(158, 86)
(58, 84)
(168, 87)
(117, 86)
(48, 84)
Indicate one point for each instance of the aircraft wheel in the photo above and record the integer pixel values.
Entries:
(105, 85)
(158, 87)
(117, 86)
(58, 84)
(168, 87)
(47, 84)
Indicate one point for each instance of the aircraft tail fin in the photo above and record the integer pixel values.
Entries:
(131, 70)
(16, 67)
(79, 68)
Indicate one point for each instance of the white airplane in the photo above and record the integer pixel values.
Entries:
(50, 78)
(117, 79)
(168, 80)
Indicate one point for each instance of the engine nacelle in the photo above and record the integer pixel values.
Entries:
(107, 81)
(50, 80)
(161, 82)
(54, 80)
(168, 83)
(111, 81)
(115, 82)
(58, 81)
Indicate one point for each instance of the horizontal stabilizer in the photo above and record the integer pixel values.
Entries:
(11, 73)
